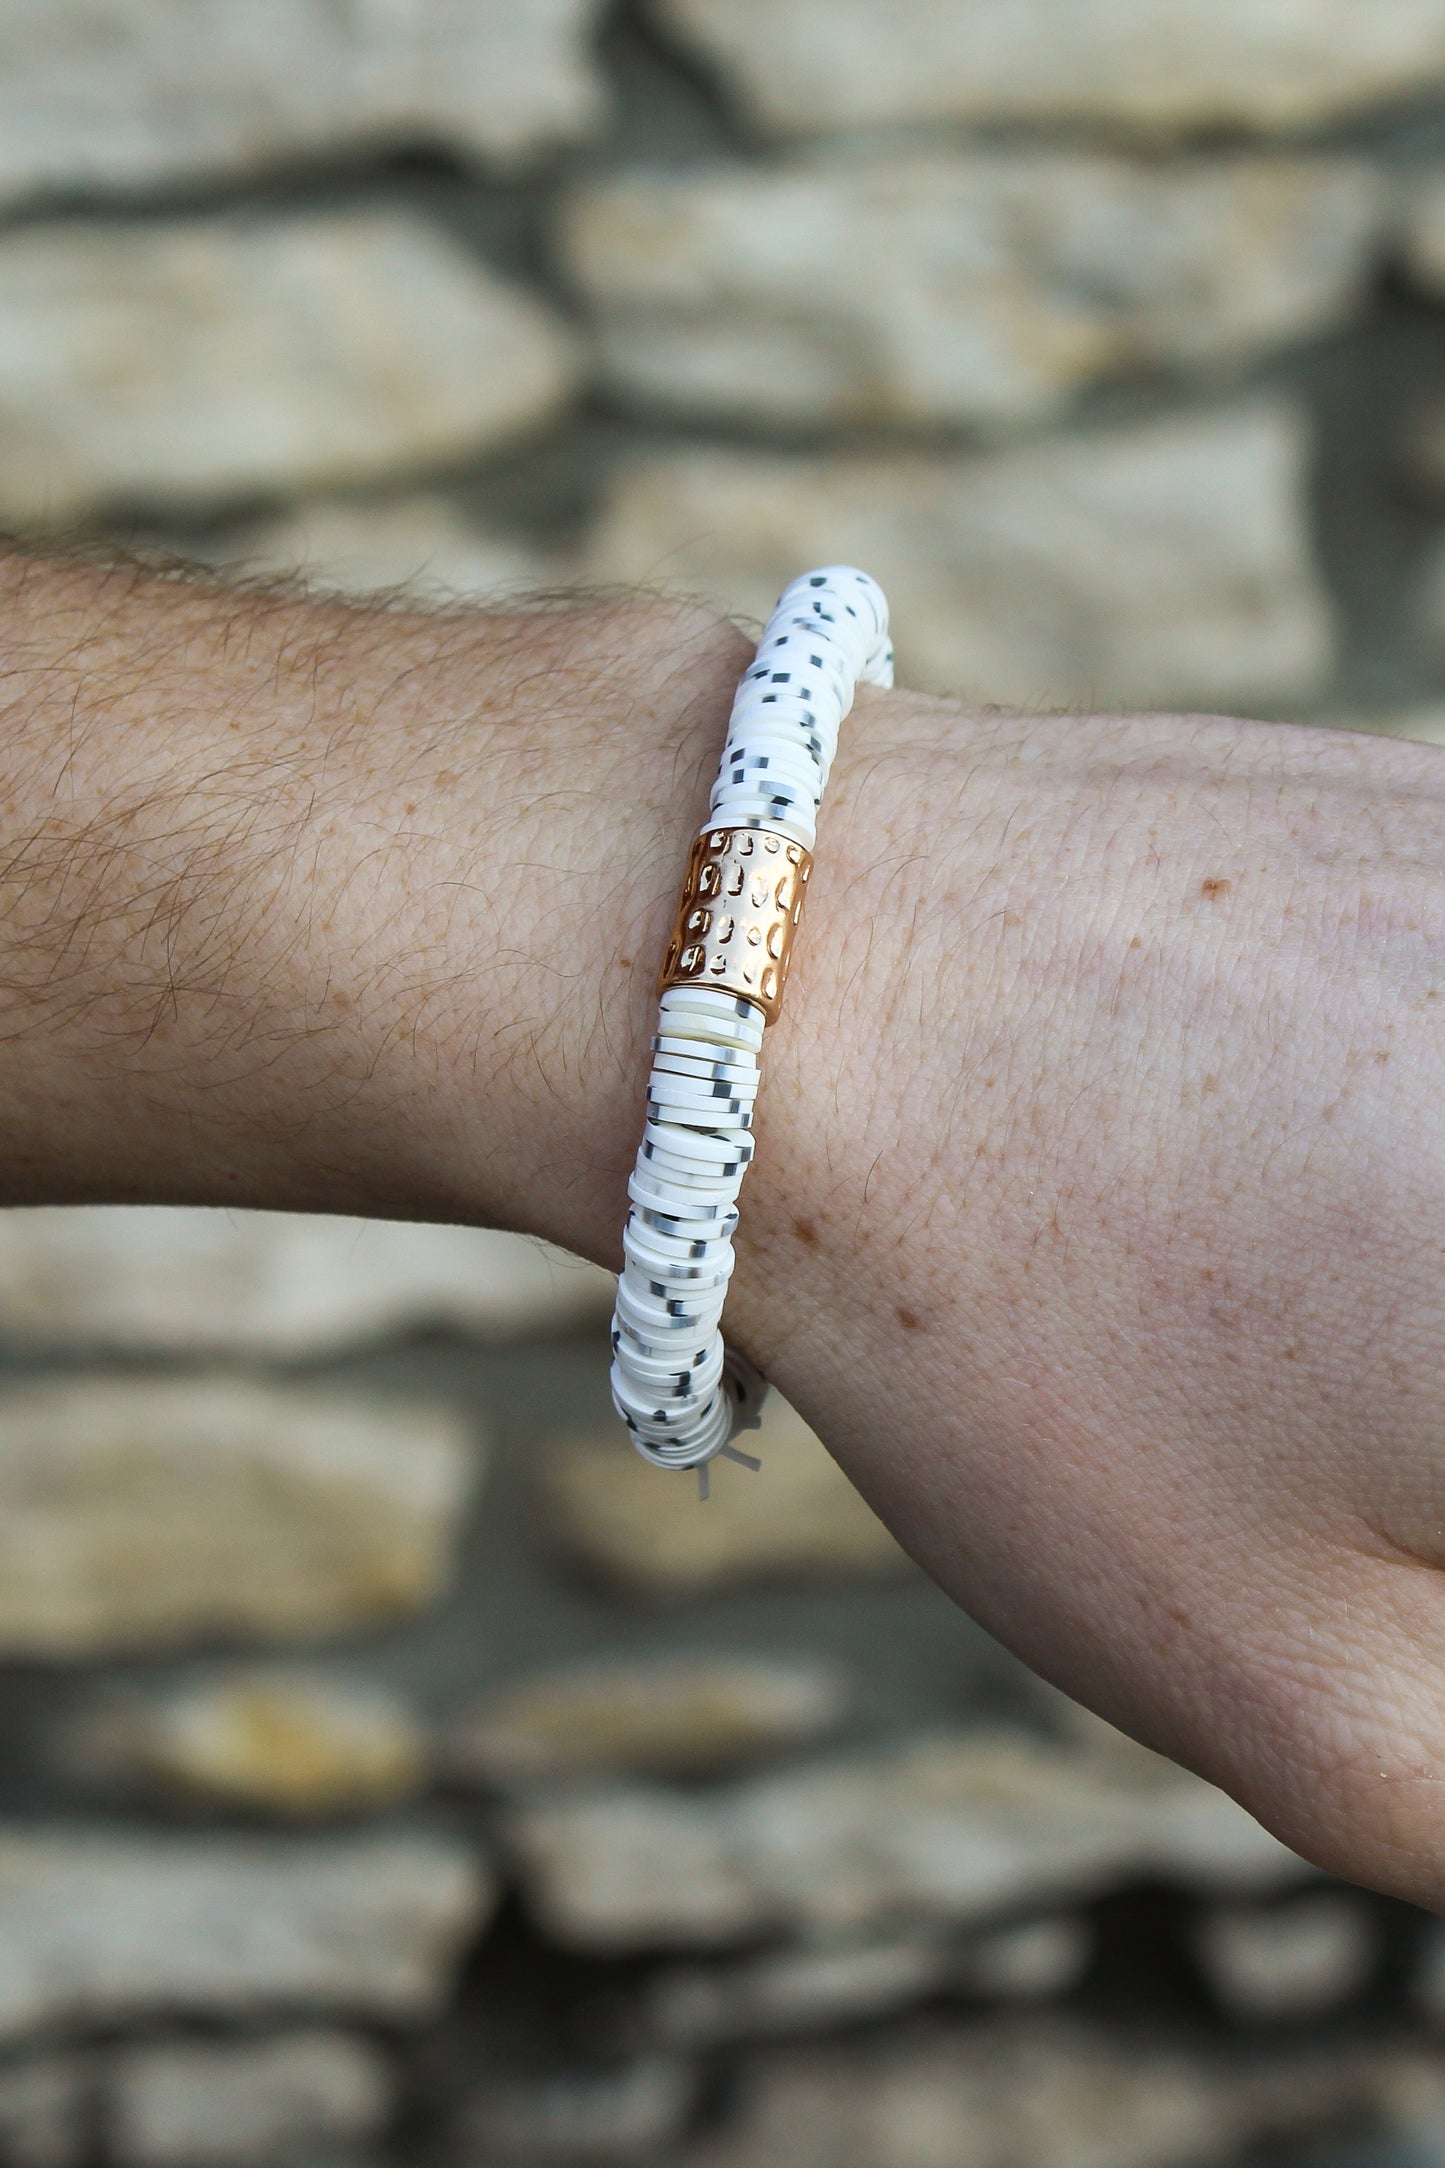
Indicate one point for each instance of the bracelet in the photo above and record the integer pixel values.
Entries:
(682, 1394)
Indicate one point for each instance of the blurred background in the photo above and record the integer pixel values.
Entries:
(392, 1767)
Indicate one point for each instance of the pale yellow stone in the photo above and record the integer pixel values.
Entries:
(1169, 564)
(120, 94)
(1150, 67)
(979, 287)
(274, 1284)
(139, 1512)
(179, 363)
(662, 1715)
(286, 1742)
(611, 1511)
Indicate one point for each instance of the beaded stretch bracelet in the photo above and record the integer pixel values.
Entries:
(681, 1393)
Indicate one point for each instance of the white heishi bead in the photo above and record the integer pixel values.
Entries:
(670, 1380)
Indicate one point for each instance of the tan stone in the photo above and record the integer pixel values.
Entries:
(102, 94)
(981, 288)
(1291, 1961)
(1049, 2094)
(422, 546)
(244, 2103)
(142, 1512)
(1151, 67)
(949, 1829)
(652, 1716)
(287, 1742)
(178, 364)
(103, 1927)
(273, 1284)
(614, 1514)
(1165, 564)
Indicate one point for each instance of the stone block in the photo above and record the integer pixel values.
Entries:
(980, 288)
(106, 1927)
(157, 1279)
(1150, 68)
(100, 95)
(178, 364)
(646, 1532)
(139, 1513)
(245, 2103)
(1168, 564)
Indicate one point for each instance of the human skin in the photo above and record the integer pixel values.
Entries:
(1100, 1192)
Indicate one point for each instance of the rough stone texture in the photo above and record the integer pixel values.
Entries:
(274, 1741)
(244, 2104)
(274, 1284)
(137, 1511)
(588, 2117)
(102, 1927)
(944, 1829)
(100, 94)
(1289, 1961)
(983, 288)
(1051, 2095)
(46, 2110)
(652, 1716)
(801, 1517)
(1152, 67)
(180, 364)
(1165, 564)
(421, 545)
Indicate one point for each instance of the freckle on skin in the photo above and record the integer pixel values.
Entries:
(1214, 887)
(806, 1233)
(910, 1320)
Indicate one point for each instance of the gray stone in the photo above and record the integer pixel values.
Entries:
(1167, 564)
(269, 1740)
(245, 2103)
(1049, 2094)
(1151, 67)
(982, 288)
(420, 546)
(958, 1830)
(623, 2114)
(652, 1716)
(179, 364)
(138, 1512)
(103, 1927)
(801, 1517)
(1288, 1961)
(105, 94)
(280, 1285)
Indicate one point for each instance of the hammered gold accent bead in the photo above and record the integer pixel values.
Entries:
(741, 902)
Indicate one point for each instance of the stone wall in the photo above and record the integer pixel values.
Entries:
(391, 1764)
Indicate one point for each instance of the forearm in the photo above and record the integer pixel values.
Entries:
(306, 905)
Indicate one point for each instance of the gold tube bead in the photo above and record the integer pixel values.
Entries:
(741, 901)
